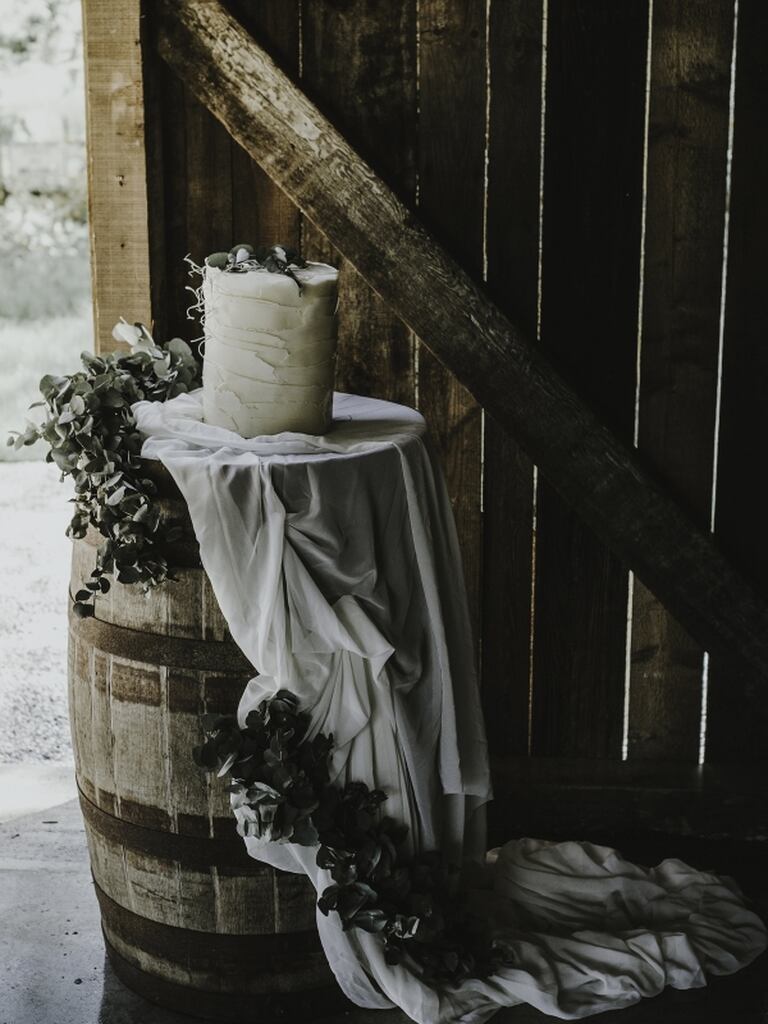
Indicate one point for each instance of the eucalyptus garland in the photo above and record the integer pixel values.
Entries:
(282, 791)
(92, 438)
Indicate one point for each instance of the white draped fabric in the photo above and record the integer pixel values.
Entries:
(335, 562)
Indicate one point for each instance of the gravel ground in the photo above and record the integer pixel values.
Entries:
(29, 349)
(34, 570)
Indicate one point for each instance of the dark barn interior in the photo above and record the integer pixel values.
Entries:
(586, 179)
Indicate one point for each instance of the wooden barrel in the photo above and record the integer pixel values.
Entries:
(190, 921)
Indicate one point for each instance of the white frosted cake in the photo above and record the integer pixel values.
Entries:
(270, 346)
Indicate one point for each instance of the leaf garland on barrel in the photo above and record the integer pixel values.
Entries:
(92, 437)
(281, 791)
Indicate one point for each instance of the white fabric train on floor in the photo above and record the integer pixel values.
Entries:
(335, 562)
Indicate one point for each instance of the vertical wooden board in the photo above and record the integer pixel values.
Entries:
(595, 97)
(117, 172)
(359, 66)
(159, 86)
(249, 903)
(685, 208)
(190, 192)
(214, 624)
(294, 902)
(170, 609)
(154, 888)
(737, 722)
(128, 606)
(147, 962)
(101, 734)
(167, 138)
(208, 197)
(189, 791)
(108, 868)
(515, 54)
(184, 606)
(139, 738)
(80, 713)
(197, 897)
(140, 612)
(261, 212)
(213, 703)
(452, 128)
(72, 659)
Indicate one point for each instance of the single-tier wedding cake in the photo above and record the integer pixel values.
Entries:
(270, 342)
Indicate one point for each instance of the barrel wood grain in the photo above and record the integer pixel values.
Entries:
(135, 725)
(183, 905)
(186, 608)
(283, 1007)
(174, 893)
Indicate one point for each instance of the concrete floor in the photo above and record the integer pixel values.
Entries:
(52, 964)
(53, 969)
(34, 579)
(28, 787)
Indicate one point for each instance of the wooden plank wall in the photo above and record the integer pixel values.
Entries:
(741, 510)
(367, 50)
(515, 65)
(590, 271)
(574, 155)
(685, 209)
(452, 78)
(205, 192)
(117, 170)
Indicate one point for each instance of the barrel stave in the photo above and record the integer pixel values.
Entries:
(189, 919)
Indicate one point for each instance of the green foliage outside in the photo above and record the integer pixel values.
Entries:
(45, 315)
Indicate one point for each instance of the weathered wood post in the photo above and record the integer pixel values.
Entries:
(189, 919)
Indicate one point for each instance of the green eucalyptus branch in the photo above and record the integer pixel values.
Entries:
(282, 793)
(92, 438)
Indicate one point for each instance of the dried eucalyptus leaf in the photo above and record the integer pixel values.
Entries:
(116, 497)
(112, 399)
(128, 574)
(217, 259)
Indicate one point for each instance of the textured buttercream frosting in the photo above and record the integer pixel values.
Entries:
(270, 349)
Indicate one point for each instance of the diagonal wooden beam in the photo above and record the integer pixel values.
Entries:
(600, 477)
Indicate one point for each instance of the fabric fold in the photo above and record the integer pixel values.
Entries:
(336, 564)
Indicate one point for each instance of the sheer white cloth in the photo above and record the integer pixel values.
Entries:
(335, 562)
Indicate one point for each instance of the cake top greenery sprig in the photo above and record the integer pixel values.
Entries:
(276, 259)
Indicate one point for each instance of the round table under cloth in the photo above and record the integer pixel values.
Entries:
(335, 562)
